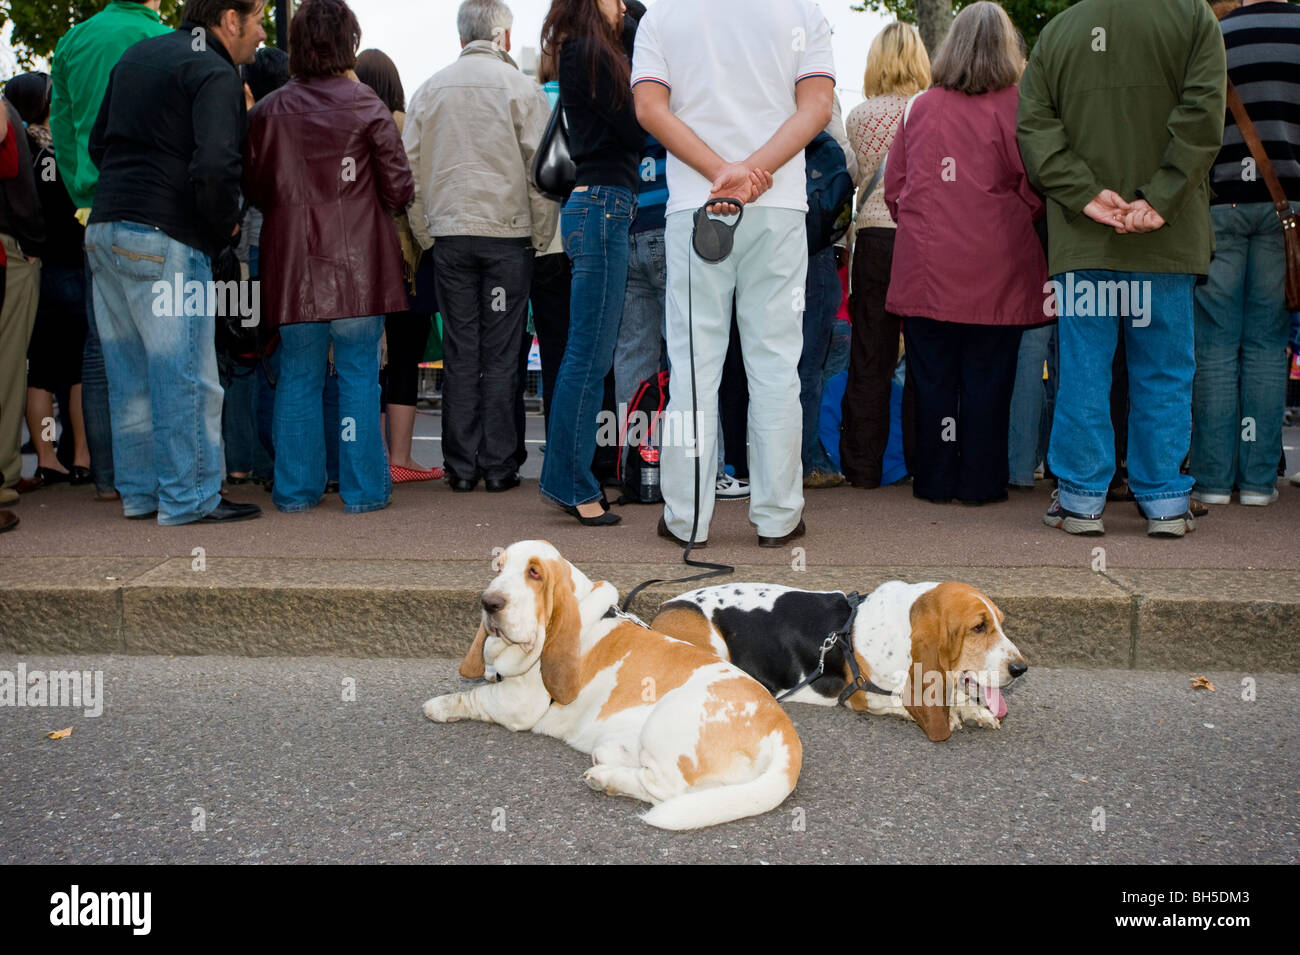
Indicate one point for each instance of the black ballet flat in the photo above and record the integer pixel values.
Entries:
(50, 476)
(605, 520)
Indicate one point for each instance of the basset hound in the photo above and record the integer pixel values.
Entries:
(932, 652)
(664, 721)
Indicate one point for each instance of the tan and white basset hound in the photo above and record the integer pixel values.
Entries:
(932, 652)
(664, 721)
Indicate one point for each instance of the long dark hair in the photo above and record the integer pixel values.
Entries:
(376, 70)
(582, 20)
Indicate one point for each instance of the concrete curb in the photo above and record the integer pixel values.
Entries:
(1060, 617)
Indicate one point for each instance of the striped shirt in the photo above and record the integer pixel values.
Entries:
(652, 198)
(1263, 45)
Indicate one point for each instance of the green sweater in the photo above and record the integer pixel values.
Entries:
(79, 75)
(1126, 96)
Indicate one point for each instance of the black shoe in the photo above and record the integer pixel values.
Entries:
(141, 517)
(8, 521)
(460, 484)
(798, 531)
(668, 535)
(80, 476)
(50, 476)
(980, 502)
(229, 512)
(605, 520)
(331, 487)
(496, 485)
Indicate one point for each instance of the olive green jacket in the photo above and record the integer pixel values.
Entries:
(1129, 96)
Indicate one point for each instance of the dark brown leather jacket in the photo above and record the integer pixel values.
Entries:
(325, 164)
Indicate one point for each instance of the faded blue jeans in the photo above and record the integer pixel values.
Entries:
(299, 428)
(1027, 438)
(1242, 327)
(639, 352)
(1158, 335)
(594, 225)
(162, 372)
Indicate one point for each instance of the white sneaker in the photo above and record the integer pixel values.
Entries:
(1295, 479)
(1205, 497)
(727, 488)
(1256, 499)
(1171, 526)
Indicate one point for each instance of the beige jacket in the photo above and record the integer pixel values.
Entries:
(471, 132)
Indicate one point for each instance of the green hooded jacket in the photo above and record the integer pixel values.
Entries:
(1129, 96)
(79, 75)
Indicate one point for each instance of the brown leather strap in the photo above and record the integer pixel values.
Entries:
(1264, 164)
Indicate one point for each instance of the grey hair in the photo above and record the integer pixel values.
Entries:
(483, 20)
(982, 52)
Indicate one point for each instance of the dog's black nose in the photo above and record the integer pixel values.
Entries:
(493, 601)
(1017, 669)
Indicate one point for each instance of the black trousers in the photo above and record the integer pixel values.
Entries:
(408, 334)
(873, 355)
(483, 288)
(552, 280)
(962, 376)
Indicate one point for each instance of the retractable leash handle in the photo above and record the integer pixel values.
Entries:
(712, 238)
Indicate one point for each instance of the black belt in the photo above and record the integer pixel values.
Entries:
(858, 682)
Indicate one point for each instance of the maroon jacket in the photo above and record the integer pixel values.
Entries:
(325, 164)
(966, 249)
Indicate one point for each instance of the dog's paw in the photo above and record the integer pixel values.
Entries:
(980, 716)
(440, 710)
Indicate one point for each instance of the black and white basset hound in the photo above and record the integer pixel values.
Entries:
(932, 652)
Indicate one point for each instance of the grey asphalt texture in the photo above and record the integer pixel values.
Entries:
(284, 771)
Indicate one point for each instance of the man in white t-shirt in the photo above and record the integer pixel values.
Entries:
(735, 89)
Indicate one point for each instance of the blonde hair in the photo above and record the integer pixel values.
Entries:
(896, 63)
(982, 52)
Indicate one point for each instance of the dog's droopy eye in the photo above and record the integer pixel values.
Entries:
(979, 627)
(533, 573)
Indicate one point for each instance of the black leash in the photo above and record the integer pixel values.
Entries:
(712, 240)
(859, 682)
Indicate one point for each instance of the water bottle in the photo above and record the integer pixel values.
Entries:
(648, 489)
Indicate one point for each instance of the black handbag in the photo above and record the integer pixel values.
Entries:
(554, 172)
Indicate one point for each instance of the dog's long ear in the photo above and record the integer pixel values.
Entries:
(471, 668)
(928, 701)
(561, 653)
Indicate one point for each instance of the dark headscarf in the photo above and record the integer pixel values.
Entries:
(30, 94)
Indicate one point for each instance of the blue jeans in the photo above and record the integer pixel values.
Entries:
(94, 397)
(299, 429)
(594, 226)
(1026, 439)
(162, 372)
(1242, 326)
(821, 302)
(1161, 361)
(640, 351)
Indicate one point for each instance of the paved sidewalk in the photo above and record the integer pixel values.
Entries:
(75, 577)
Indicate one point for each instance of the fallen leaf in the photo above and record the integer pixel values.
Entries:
(1201, 683)
(59, 734)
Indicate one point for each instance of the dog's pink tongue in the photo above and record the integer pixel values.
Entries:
(997, 703)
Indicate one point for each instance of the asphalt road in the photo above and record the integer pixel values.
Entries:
(278, 769)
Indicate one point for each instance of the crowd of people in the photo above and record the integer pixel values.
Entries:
(223, 263)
